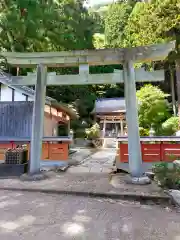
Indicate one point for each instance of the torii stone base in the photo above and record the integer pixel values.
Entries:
(35, 177)
(137, 180)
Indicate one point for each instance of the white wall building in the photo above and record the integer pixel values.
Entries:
(10, 94)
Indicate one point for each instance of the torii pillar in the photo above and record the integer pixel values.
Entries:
(38, 120)
(134, 147)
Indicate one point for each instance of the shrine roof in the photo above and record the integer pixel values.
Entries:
(109, 105)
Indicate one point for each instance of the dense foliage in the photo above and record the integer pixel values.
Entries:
(34, 25)
(152, 107)
(146, 23)
(170, 126)
(115, 23)
(167, 177)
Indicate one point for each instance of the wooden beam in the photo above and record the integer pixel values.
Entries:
(81, 79)
(112, 118)
(112, 121)
(91, 57)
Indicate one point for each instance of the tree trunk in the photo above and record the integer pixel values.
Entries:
(173, 91)
(178, 86)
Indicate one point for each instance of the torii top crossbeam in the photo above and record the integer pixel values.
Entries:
(90, 57)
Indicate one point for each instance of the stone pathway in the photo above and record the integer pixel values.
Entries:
(101, 161)
(110, 142)
(79, 156)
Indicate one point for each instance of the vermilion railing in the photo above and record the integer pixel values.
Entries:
(53, 148)
(153, 149)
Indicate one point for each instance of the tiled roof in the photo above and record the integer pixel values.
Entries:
(109, 105)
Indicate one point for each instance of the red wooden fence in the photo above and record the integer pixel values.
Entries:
(50, 150)
(153, 152)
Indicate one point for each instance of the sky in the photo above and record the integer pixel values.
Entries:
(95, 2)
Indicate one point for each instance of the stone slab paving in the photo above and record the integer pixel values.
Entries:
(80, 155)
(110, 142)
(100, 161)
(36, 216)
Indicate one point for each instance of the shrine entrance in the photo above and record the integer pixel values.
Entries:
(113, 127)
(110, 113)
(85, 58)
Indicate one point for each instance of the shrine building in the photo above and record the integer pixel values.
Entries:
(110, 113)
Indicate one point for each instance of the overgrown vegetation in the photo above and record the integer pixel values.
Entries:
(167, 177)
(93, 132)
(142, 23)
(170, 126)
(143, 132)
(153, 108)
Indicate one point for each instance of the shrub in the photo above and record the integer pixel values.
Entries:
(167, 177)
(143, 131)
(93, 132)
(79, 133)
(170, 126)
(153, 107)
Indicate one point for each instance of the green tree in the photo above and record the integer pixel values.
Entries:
(34, 25)
(153, 107)
(99, 41)
(98, 20)
(170, 126)
(168, 16)
(156, 22)
(115, 21)
(141, 26)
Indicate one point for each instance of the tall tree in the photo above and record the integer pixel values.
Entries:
(168, 15)
(156, 22)
(34, 25)
(115, 21)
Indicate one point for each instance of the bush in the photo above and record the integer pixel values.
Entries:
(153, 107)
(170, 126)
(93, 132)
(167, 177)
(79, 133)
(143, 132)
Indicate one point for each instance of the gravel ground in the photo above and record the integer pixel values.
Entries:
(35, 216)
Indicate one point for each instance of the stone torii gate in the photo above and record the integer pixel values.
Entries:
(84, 59)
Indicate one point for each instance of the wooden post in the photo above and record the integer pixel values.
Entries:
(173, 92)
(38, 120)
(69, 127)
(121, 127)
(104, 128)
(116, 129)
